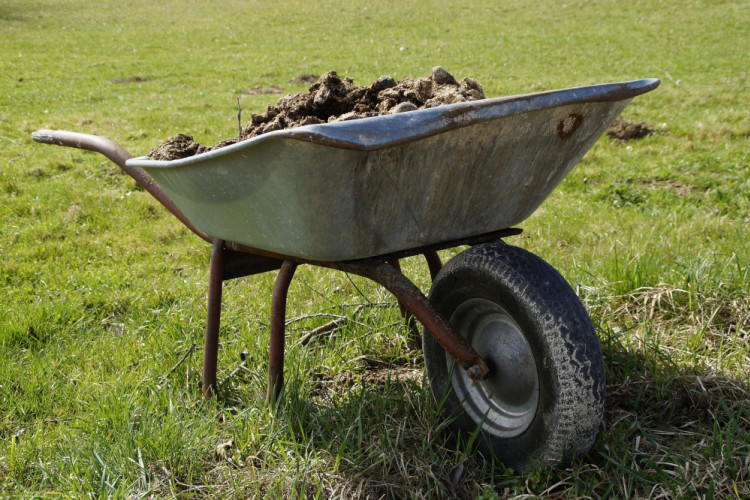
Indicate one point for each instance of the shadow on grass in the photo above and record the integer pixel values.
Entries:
(373, 433)
(669, 430)
(674, 430)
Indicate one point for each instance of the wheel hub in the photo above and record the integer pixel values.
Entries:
(506, 401)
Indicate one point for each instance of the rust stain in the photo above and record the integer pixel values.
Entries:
(568, 125)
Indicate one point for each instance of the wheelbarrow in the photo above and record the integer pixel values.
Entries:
(509, 348)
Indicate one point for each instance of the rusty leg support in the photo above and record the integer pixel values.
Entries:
(414, 300)
(433, 262)
(213, 318)
(404, 311)
(409, 318)
(278, 317)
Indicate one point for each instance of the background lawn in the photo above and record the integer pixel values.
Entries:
(103, 291)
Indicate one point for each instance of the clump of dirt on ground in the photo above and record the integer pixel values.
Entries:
(332, 99)
(623, 130)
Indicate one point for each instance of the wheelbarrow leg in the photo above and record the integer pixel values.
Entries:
(411, 322)
(278, 318)
(433, 262)
(396, 264)
(213, 318)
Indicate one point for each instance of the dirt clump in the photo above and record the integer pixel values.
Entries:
(174, 148)
(623, 130)
(132, 79)
(332, 99)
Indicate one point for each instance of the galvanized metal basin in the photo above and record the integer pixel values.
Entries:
(362, 188)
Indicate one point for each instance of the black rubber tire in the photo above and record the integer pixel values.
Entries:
(566, 403)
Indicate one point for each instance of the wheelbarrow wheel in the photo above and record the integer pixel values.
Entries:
(543, 400)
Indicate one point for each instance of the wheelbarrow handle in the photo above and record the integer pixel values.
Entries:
(119, 156)
(89, 142)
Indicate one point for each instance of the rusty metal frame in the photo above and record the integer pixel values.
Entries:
(213, 318)
(419, 305)
(230, 261)
(278, 320)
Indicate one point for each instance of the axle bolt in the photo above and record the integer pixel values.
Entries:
(475, 374)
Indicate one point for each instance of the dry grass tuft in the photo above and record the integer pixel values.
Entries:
(707, 328)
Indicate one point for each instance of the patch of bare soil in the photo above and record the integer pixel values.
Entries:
(263, 90)
(132, 79)
(623, 130)
(376, 377)
(305, 78)
(681, 189)
(332, 99)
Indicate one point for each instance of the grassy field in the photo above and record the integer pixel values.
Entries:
(103, 292)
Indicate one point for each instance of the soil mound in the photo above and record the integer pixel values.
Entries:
(174, 148)
(332, 99)
(623, 130)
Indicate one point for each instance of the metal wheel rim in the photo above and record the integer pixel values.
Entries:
(506, 402)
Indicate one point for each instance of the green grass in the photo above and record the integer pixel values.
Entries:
(103, 291)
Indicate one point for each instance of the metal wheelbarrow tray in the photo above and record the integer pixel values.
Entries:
(359, 195)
